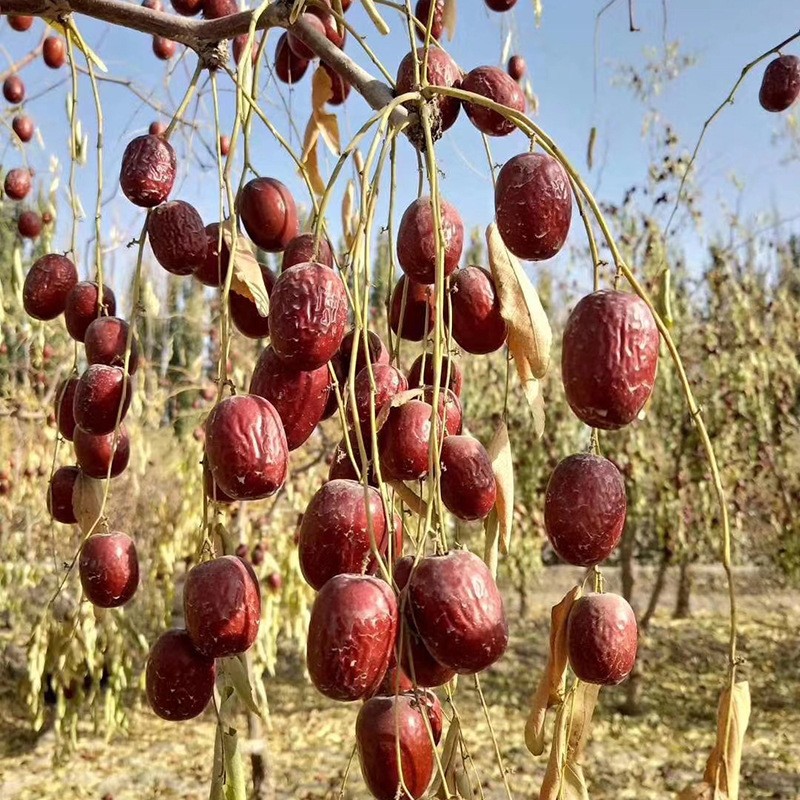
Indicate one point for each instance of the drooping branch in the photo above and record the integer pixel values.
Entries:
(202, 35)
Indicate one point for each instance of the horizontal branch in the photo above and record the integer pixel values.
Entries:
(199, 34)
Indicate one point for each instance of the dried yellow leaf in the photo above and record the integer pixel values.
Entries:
(500, 453)
(722, 769)
(410, 498)
(87, 502)
(449, 16)
(550, 690)
(247, 279)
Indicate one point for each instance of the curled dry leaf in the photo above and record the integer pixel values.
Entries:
(449, 17)
(550, 690)
(500, 453)
(529, 333)
(410, 498)
(491, 547)
(564, 779)
(398, 400)
(449, 750)
(348, 215)
(722, 769)
(247, 279)
(321, 125)
(87, 502)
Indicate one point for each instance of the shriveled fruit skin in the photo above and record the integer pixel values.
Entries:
(106, 340)
(48, 283)
(17, 183)
(477, 324)
(59, 494)
(403, 441)
(300, 250)
(64, 402)
(416, 320)
(417, 660)
(148, 170)
(213, 269)
(222, 606)
(268, 213)
(102, 394)
(458, 611)
(422, 373)
(177, 236)
(14, 89)
(298, 396)
(416, 240)
(422, 12)
(533, 206)
(81, 307)
(442, 71)
(497, 85)
(109, 569)
(54, 52)
(288, 67)
(179, 680)
(609, 358)
(351, 635)
(246, 447)
(94, 453)
(469, 489)
(517, 67)
(389, 382)
(384, 725)
(335, 535)
(308, 315)
(780, 85)
(244, 311)
(602, 638)
(29, 224)
(584, 509)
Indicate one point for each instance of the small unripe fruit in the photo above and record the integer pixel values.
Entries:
(413, 317)
(106, 341)
(14, 89)
(609, 358)
(246, 447)
(469, 489)
(533, 206)
(59, 494)
(496, 85)
(17, 183)
(780, 85)
(442, 71)
(47, 285)
(24, 128)
(103, 394)
(417, 237)
(177, 236)
(178, 679)
(288, 67)
(148, 170)
(602, 638)
(29, 224)
(95, 454)
(157, 128)
(222, 606)
(54, 52)
(81, 307)
(109, 569)
(224, 145)
(476, 321)
(584, 509)
(268, 213)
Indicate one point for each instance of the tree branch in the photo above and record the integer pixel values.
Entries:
(201, 35)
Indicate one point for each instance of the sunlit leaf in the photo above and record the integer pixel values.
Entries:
(247, 279)
(722, 769)
(500, 453)
(87, 501)
(449, 17)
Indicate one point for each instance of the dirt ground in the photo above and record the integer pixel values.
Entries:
(653, 755)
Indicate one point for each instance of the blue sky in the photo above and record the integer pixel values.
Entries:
(722, 36)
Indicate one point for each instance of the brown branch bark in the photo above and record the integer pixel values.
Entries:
(202, 35)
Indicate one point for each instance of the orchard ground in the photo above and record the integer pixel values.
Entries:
(653, 755)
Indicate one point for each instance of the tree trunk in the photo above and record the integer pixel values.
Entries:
(632, 706)
(260, 761)
(683, 608)
(655, 592)
(626, 550)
